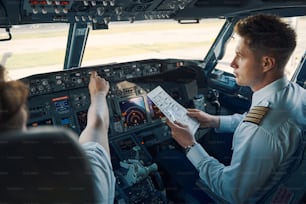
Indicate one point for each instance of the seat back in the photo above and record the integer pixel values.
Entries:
(299, 75)
(44, 165)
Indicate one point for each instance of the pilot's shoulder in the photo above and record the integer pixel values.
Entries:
(268, 117)
(256, 114)
(273, 112)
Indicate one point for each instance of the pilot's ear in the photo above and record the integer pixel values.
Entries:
(268, 63)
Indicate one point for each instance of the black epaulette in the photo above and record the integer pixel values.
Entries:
(256, 114)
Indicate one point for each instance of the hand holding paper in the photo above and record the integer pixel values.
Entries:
(172, 109)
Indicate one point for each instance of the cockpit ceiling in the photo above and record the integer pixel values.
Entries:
(230, 8)
(101, 12)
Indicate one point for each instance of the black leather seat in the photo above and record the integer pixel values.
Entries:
(44, 165)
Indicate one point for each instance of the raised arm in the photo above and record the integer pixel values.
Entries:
(98, 114)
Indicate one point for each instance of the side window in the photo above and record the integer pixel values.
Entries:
(34, 48)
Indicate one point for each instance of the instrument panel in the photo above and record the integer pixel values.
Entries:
(136, 124)
(136, 128)
(62, 98)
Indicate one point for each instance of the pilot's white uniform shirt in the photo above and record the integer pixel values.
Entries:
(260, 152)
(103, 176)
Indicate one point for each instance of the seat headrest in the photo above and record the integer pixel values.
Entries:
(44, 165)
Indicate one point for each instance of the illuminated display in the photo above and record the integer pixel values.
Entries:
(61, 104)
(133, 111)
(41, 122)
(65, 122)
(154, 110)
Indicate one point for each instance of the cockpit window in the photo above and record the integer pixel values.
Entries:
(40, 48)
(154, 39)
(33, 49)
(298, 23)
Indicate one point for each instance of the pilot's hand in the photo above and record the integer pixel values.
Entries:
(97, 84)
(181, 133)
(206, 120)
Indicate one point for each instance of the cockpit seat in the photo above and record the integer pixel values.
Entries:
(300, 74)
(44, 165)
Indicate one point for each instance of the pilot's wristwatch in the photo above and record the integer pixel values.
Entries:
(188, 148)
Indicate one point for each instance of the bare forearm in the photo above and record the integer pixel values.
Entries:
(97, 122)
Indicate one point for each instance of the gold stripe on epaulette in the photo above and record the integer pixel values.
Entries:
(252, 120)
(260, 108)
(259, 112)
(256, 114)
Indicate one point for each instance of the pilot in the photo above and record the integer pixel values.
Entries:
(94, 138)
(267, 138)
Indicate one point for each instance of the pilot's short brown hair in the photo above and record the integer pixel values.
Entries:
(268, 35)
(13, 97)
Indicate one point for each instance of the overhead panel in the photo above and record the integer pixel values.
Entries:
(101, 12)
(97, 11)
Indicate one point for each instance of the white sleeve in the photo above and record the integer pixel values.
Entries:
(103, 176)
(252, 162)
(229, 123)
